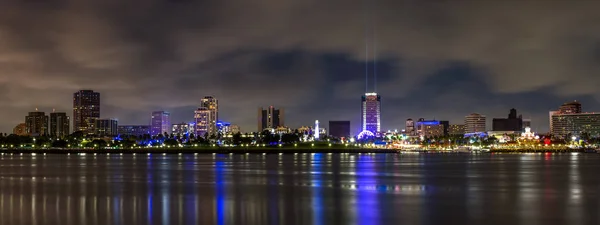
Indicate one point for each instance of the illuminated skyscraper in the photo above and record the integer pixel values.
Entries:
(86, 109)
(371, 112)
(475, 123)
(206, 116)
(37, 123)
(160, 123)
(59, 124)
(270, 118)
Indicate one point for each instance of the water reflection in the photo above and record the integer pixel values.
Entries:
(299, 189)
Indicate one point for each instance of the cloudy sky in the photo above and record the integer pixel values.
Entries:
(435, 59)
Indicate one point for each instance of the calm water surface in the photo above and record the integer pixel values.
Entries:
(300, 189)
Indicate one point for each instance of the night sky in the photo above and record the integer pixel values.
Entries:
(442, 59)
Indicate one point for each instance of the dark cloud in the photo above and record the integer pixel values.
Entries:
(435, 58)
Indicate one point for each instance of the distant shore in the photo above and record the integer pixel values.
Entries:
(266, 150)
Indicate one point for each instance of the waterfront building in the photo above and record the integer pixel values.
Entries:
(59, 124)
(160, 123)
(573, 107)
(429, 128)
(456, 129)
(20, 129)
(339, 129)
(182, 129)
(270, 118)
(512, 123)
(36, 123)
(223, 127)
(371, 113)
(409, 128)
(106, 127)
(475, 123)
(133, 130)
(86, 108)
(206, 116)
(576, 124)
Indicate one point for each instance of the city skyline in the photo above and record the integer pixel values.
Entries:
(313, 68)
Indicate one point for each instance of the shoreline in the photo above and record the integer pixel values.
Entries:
(221, 150)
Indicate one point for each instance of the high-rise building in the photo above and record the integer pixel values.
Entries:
(86, 109)
(36, 124)
(409, 127)
(212, 105)
(512, 123)
(456, 129)
(550, 114)
(160, 123)
(59, 124)
(20, 129)
(107, 127)
(475, 123)
(270, 118)
(576, 124)
(573, 107)
(133, 130)
(202, 122)
(339, 129)
(371, 112)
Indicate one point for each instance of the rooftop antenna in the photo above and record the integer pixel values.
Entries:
(374, 54)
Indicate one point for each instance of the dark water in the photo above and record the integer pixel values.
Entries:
(303, 189)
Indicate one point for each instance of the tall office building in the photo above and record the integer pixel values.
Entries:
(409, 128)
(475, 123)
(270, 118)
(160, 123)
(59, 124)
(201, 120)
(339, 129)
(86, 109)
(512, 123)
(211, 106)
(430, 128)
(36, 124)
(371, 112)
(106, 127)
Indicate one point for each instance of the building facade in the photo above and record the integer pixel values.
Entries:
(160, 123)
(475, 123)
(576, 124)
(202, 122)
(107, 127)
(371, 112)
(339, 129)
(409, 127)
(20, 129)
(182, 129)
(429, 128)
(456, 129)
(270, 118)
(59, 124)
(133, 130)
(86, 109)
(512, 123)
(211, 104)
(573, 107)
(36, 124)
